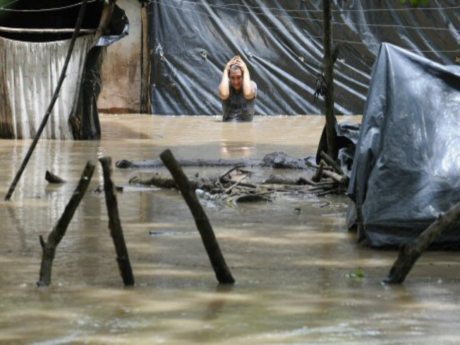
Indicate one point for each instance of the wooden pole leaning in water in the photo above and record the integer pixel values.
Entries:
(221, 270)
(116, 230)
(329, 77)
(59, 230)
(409, 253)
(29, 153)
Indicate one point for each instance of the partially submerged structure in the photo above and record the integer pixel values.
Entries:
(34, 39)
(407, 163)
(172, 61)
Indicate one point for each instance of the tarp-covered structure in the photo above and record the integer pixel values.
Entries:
(33, 48)
(190, 41)
(406, 167)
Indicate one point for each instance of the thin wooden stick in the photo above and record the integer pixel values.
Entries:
(43, 30)
(230, 171)
(235, 184)
(409, 253)
(328, 159)
(336, 177)
(116, 230)
(16, 179)
(59, 230)
(211, 245)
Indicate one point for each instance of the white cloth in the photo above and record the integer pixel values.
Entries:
(29, 73)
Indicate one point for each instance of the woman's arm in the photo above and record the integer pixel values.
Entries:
(224, 87)
(249, 91)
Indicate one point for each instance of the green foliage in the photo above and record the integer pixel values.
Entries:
(356, 274)
(5, 3)
(416, 3)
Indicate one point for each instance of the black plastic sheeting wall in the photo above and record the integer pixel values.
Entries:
(191, 41)
(407, 163)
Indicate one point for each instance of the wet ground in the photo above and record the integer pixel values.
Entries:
(301, 278)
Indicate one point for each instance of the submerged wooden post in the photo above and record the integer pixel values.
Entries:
(319, 172)
(58, 232)
(211, 245)
(116, 230)
(329, 76)
(410, 252)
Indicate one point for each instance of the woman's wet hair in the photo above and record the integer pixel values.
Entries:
(234, 68)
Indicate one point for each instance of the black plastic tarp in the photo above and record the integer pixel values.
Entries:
(406, 168)
(191, 41)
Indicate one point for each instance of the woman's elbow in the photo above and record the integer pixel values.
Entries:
(224, 95)
(249, 95)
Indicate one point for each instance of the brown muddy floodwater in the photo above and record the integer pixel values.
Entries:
(298, 272)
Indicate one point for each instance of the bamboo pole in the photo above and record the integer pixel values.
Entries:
(59, 230)
(29, 153)
(116, 230)
(211, 245)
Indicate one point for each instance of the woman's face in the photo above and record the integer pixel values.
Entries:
(236, 78)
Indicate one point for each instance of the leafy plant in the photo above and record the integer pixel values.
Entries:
(416, 3)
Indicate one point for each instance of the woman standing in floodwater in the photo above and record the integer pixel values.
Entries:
(237, 91)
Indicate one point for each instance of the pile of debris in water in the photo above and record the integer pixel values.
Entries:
(241, 184)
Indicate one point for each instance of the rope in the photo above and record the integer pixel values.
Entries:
(162, 3)
(338, 10)
(310, 36)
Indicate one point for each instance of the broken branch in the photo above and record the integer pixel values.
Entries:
(409, 253)
(116, 230)
(211, 245)
(59, 230)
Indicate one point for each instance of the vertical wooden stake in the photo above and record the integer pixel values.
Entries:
(145, 103)
(116, 230)
(211, 245)
(329, 76)
(59, 230)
